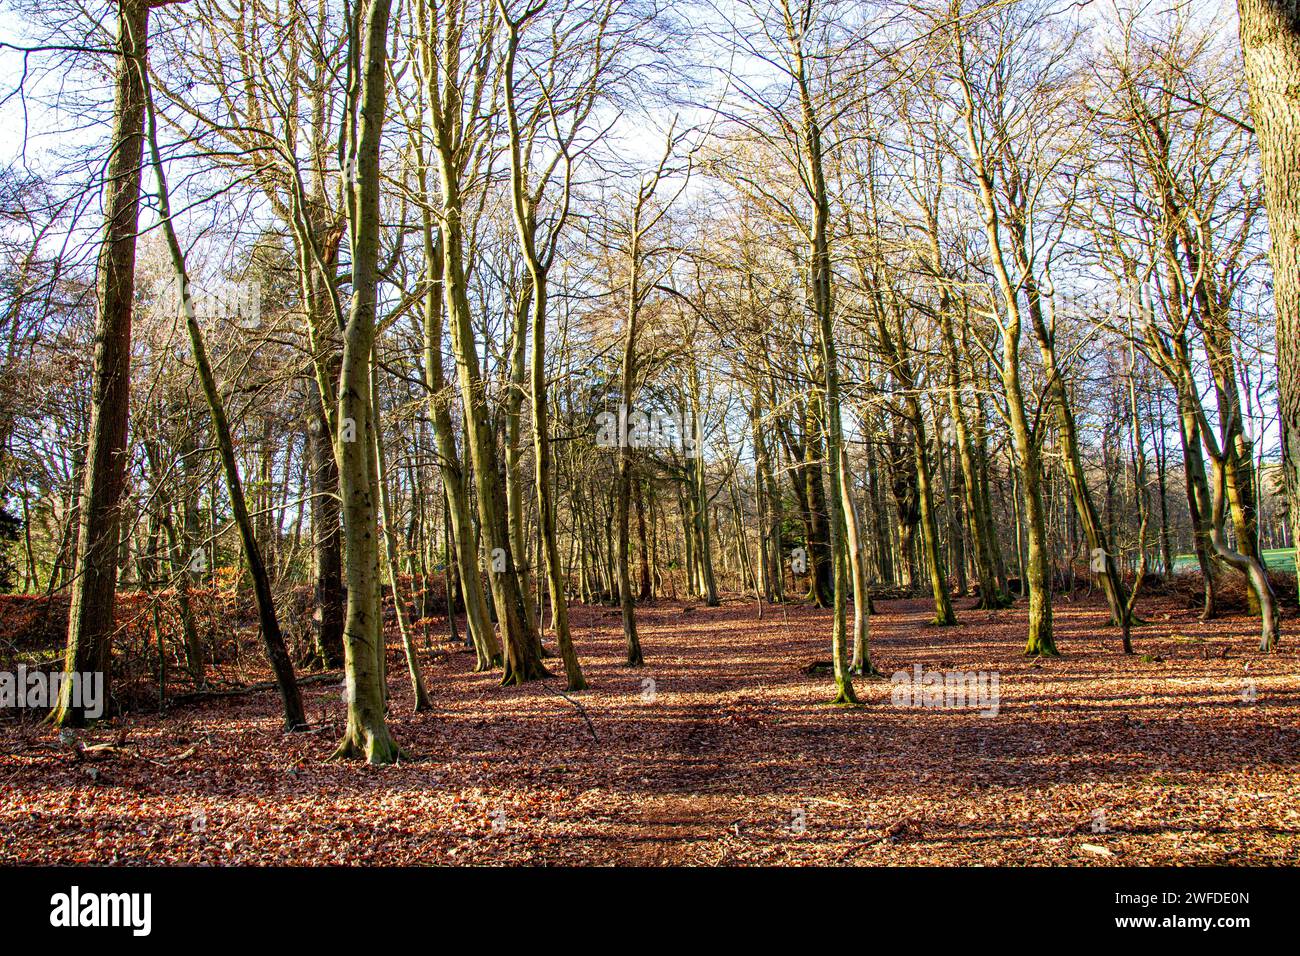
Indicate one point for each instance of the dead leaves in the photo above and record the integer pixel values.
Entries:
(734, 758)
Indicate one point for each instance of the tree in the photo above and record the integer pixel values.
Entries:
(636, 236)
(366, 735)
(1040, 641)
(1270, 41)
(94, 583)
(277, 653)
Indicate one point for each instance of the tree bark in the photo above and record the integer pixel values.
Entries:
(94, 582)
(1270, 40)
(366, 734)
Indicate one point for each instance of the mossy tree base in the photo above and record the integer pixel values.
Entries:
(868, 670)
(374, 747)
(845, 696)
(522, 674)
(1041, 649)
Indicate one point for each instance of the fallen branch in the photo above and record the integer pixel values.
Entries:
(253, 688)
(581, 710)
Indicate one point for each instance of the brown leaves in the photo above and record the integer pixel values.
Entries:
(720, 751)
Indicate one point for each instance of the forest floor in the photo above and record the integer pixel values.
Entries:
(1186, 753)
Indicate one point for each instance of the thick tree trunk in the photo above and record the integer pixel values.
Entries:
(94, 582)
(1270, 40)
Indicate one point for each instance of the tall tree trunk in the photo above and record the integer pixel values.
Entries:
(523, 662)
(273, 640)
(983, 535)
(943, 613)
(699, 495)
(647, 583)
(94, 582)
(821, 563)
(526, 226)
(820, 276)
(861, 663)
(1270, 40)
(1037, 570)
(514, 478)
(545, 506)
(628, 393)
(418, 690)
(478, 621)
(327, 566)
(367, 733)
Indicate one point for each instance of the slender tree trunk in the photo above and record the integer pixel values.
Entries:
(367, 733)
(545, 506)
(478, 621)
(983, 535)
(1067, 434)
(327, 566)
(943, 613)
(861, 664)
(820, 277)
(628, 393)
(514, 478)
(276, 651)
(418, 690)
(1037, 572)
(523, 662)
(1199, 505)
(646, 582)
